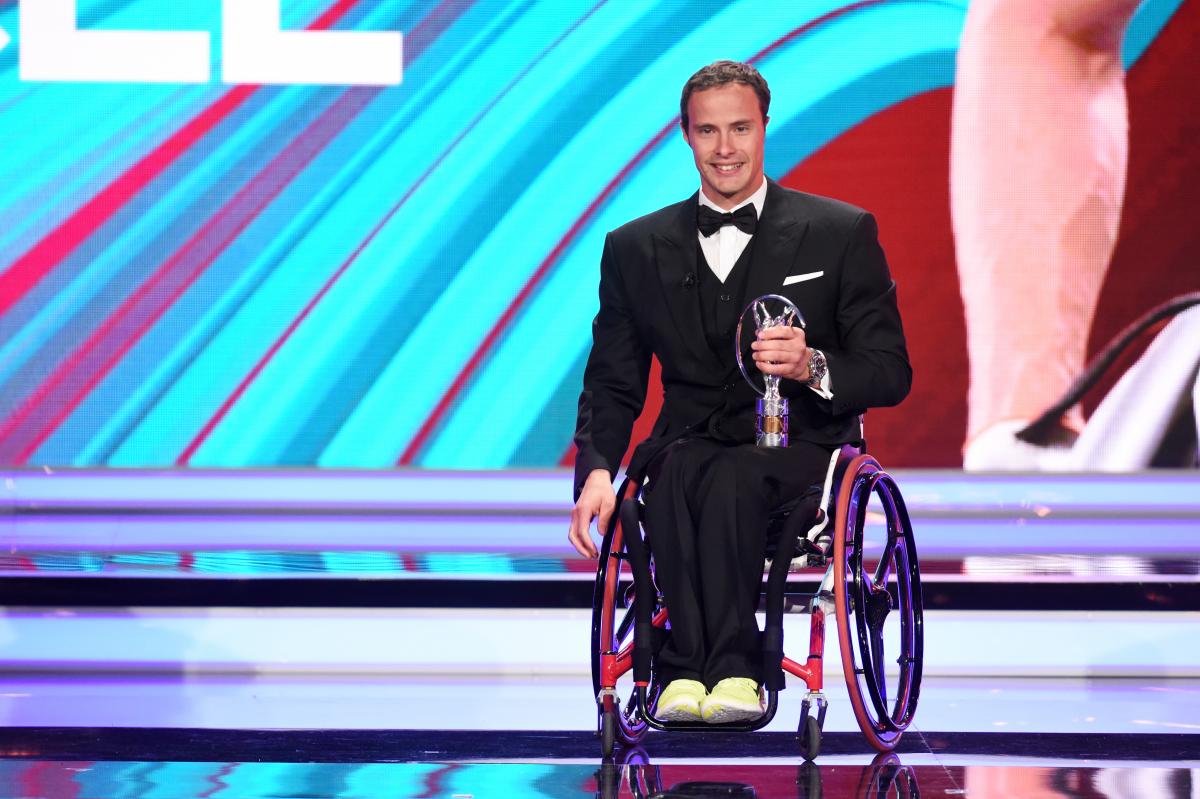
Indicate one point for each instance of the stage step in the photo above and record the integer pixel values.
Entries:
(416, 538)
(956, 515)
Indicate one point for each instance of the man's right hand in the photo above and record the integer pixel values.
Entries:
(597, 499)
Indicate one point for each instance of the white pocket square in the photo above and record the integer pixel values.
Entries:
(790, 279)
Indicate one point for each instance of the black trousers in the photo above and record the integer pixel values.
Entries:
(707, 504)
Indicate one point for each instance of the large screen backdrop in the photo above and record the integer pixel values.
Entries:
(214, 274)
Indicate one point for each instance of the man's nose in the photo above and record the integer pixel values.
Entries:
(725, 143)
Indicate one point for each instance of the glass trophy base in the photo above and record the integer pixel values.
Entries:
(771, 422)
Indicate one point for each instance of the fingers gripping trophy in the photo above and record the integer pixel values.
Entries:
(768, 311)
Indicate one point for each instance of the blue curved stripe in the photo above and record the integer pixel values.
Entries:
(501, 255)
(537, 99)
(1150, 18)
(32, 213)
(312, 368)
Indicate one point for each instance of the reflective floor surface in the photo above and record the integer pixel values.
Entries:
(638, 776)
(463, 738)
(189, 634)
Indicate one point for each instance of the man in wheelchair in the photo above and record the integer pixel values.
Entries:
(672, 286)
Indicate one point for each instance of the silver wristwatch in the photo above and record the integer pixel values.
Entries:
(817, 367)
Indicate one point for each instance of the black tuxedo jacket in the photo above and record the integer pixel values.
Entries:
(649, 306)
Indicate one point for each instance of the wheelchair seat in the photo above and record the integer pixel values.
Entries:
(815, 540)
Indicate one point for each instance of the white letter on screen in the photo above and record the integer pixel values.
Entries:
(3, 38)
(256, 50)
(54, 49)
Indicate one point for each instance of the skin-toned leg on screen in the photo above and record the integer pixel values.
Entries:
(1038, 155)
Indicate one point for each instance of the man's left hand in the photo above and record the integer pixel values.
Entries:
(782, 351)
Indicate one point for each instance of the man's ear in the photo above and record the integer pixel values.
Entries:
(683, 132)
(766, 119)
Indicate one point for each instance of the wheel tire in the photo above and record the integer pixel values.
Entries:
(858, 589)
(608, 733)
(810, 739)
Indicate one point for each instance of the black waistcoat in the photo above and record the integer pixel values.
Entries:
(721, 306)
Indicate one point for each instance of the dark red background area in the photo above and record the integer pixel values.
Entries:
(897, 165)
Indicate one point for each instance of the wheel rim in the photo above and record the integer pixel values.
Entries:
(877, 597)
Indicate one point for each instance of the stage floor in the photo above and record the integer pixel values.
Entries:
(462, 738)
(57, 764)
(481, 703)
(328, 635)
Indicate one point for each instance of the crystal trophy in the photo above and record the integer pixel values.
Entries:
(769, 310)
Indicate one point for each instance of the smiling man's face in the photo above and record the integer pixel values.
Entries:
(726, 130)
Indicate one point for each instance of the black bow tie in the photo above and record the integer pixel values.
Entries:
(744, 219)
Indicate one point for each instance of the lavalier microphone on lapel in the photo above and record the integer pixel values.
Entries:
(689, 280)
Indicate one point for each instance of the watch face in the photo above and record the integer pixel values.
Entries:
(816, 367)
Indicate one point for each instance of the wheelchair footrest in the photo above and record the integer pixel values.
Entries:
(815, 553)
(645, 712)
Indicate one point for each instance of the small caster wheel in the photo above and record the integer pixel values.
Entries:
(608, 733)
(810, 739)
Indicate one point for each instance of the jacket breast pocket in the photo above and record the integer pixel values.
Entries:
(802, 277)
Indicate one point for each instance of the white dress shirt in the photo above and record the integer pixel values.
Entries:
(723, 248)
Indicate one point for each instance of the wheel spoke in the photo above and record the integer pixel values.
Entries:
(877, 660)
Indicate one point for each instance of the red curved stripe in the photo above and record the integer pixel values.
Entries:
(266, 358)
(464, 376)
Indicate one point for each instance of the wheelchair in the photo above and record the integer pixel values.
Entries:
(859, 532)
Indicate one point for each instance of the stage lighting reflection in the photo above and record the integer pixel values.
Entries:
(636, 777)
(633, 777)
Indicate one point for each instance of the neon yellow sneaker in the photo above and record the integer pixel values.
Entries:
(680, 701)
(732, 699)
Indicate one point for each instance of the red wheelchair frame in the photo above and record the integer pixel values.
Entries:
(861, 596)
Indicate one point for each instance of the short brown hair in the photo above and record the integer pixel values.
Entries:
(722, 73)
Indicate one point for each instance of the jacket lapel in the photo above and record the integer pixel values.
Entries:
(675, 255)
(776, 241)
